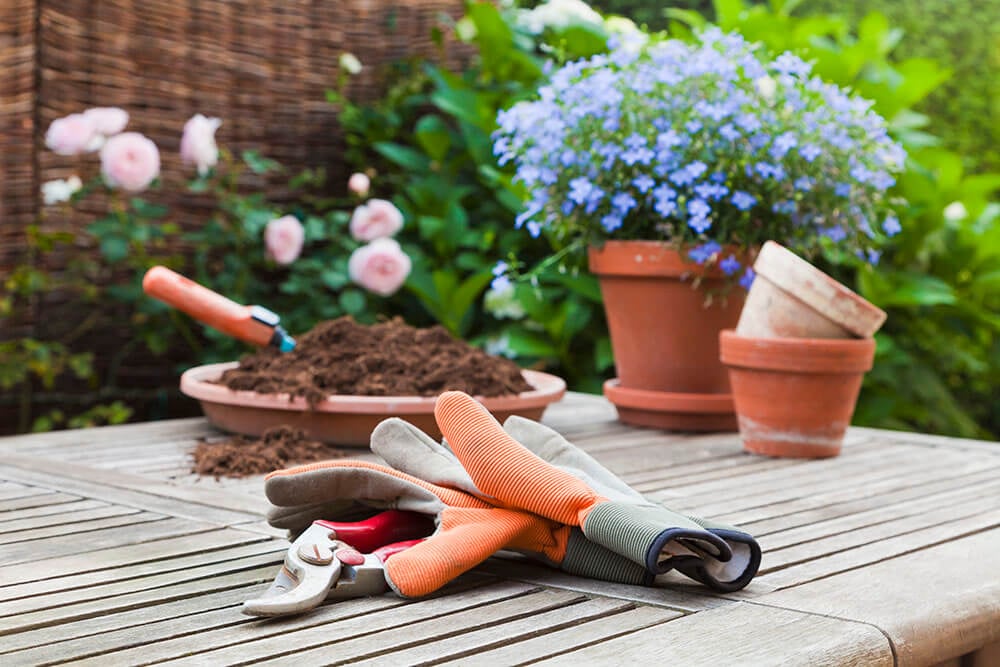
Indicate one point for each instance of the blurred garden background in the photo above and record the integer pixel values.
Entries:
(407, 93)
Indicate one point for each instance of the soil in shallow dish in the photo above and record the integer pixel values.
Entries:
(390, 358)
(241, 455)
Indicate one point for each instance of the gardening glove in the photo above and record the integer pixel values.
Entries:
(510, 475)
(408, 449)
(552, 447)
(467, 530)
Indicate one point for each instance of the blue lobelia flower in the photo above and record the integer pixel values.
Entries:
(704, 252)
(643, 182)
(730, 265)
(891, 225)
(746, 280)
(743, 200)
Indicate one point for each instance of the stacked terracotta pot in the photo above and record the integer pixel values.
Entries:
(797, 357)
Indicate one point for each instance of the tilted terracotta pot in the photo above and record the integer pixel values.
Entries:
(664, 338)
(790, 298)
(795, 396)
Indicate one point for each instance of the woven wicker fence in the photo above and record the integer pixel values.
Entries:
(263, 67)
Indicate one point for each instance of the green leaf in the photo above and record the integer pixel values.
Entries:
(259, 164)
(114, 248)
(918, 290)
(433, 136)
(404, 156)
(468, 293)
(582, 40)
(352, 301)
(525, 343)
(144, 209)
(334, 279)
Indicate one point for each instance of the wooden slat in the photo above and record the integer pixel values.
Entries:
(351, 640)
(54, 547)
(742, 634)
(58, 616)
(879, 514)
(934, 603)
(119, 556)
(155, 496)
(51, 499)
(589, 631)
(795, 517)
(63, 599)
(332, 622)
(134, 434)
(47, 512)
(875, 552)
(446, 639)
(74, 526)
(80, 586)
(14, 529)
(10, 491)
(675, 598)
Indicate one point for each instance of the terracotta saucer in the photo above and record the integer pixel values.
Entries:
(345, 420)
(672, 411)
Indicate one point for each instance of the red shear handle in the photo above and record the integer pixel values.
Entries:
(381, 530)
(206, 306)
(384, 553)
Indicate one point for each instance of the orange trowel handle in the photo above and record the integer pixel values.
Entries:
(208, 307)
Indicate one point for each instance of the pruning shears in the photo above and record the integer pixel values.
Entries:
(339, 560)
(253, 324)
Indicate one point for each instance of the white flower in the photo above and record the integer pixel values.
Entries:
(198, 145)
(501, 303)
(59, 190)
(557, 15)
(499, 346)
(350, 63)
(767, 87)
(955, 211)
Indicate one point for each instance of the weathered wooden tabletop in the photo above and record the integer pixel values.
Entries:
(112, 552)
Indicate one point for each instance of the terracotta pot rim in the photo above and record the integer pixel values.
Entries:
(805, 282)
(667, 401)
(650, 258)
(798, 355)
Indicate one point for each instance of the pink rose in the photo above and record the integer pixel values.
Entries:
(283, 238)
(375, 220)
(198, 143)
(108, 121)
(380, 267)
(71, 135)
(130, 161)
(359, 184)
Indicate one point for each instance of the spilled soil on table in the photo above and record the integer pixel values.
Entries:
(277, 448)
(343, 357)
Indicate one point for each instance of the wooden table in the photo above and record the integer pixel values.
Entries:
(112, 552)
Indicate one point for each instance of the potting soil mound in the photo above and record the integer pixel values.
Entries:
(390, 358)
(242, 455)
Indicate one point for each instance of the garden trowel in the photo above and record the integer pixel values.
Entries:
(253, 324)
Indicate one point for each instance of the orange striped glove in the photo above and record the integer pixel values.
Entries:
(408, 449)
(468, 530)
(509, 475)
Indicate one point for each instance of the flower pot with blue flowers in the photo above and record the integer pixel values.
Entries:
(671, 163)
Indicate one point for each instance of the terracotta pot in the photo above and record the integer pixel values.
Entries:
(664, 338)
(790, 298)
(795, 396)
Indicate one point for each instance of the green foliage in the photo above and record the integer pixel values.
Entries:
(429, 140)
(938, 356)
(966, 35)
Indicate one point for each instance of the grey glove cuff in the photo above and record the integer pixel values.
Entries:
(651, 536)
(587, 559)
